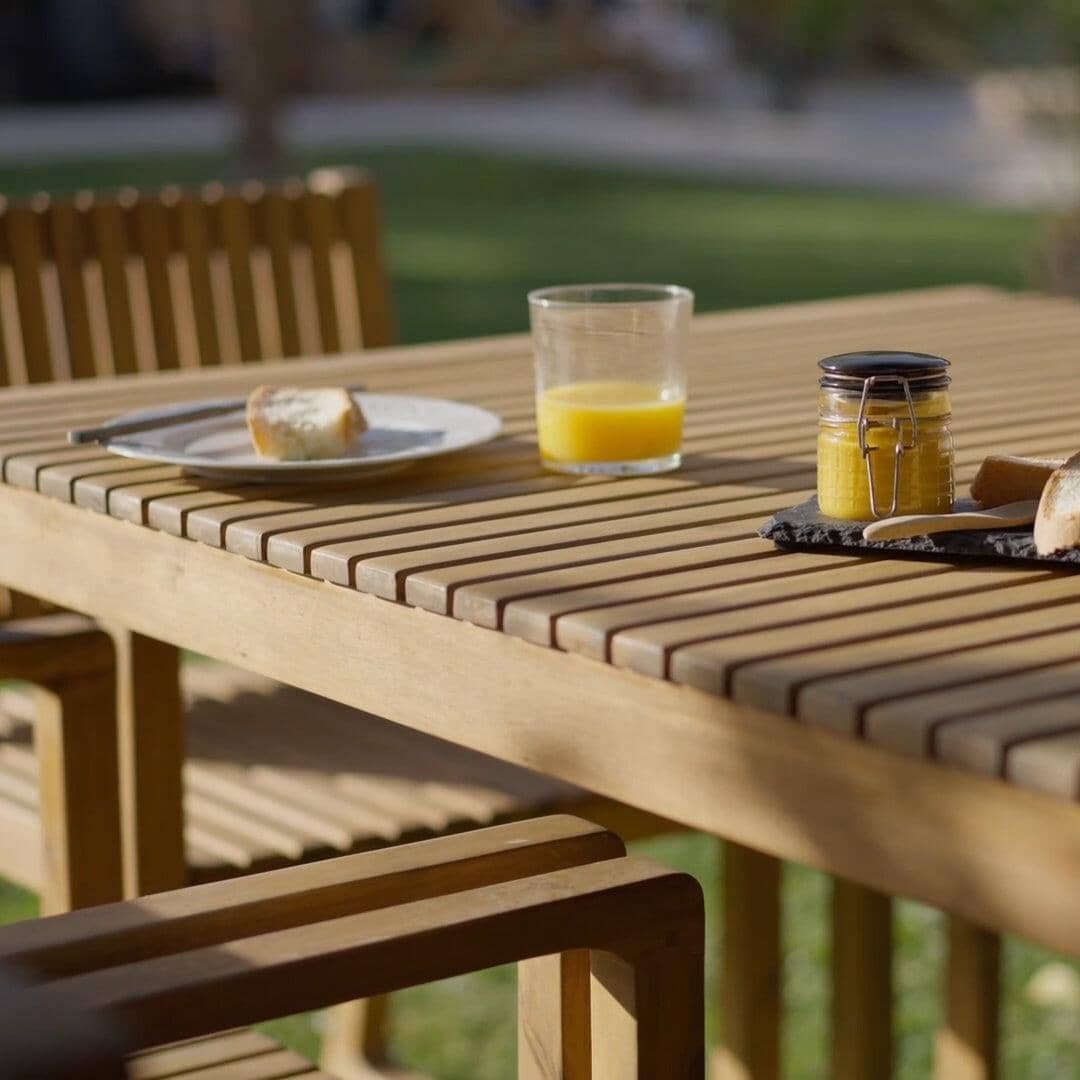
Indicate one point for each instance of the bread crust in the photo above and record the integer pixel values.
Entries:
(284, 438)
(1003, 478)
(261, 434)
(1057, 523)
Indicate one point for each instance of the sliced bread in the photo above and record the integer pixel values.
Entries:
(1003, 478)
(288, 423)
(1057, 524)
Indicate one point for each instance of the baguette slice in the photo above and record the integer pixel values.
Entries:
(1057, 524)
(1005, 479)
(292, 424)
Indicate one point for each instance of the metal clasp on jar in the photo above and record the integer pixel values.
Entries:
(901, 446)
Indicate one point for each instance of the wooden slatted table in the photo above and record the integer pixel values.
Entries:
(911, 726)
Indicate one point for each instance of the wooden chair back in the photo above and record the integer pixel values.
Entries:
(112, 284)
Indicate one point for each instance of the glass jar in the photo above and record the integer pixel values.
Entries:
(884, 436)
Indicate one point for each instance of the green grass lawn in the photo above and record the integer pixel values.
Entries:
(468, 235)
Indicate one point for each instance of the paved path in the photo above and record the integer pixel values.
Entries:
(906, 137)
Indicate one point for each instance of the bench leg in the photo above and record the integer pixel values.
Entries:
(76, 745)
(967, 1044)
(862, 983)
(750, 967)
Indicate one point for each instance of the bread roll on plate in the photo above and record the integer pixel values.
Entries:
(1003, 478)
(288, 423)
(1057, 524)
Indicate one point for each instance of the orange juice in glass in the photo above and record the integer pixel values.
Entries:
(610, 376)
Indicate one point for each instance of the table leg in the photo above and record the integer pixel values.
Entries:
(75, 742)
(862, 983)
(967, 1044)
(750, 967)
(151, 733)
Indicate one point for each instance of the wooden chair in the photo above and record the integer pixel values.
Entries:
(127, 283)
(610, 952)
(101, 285)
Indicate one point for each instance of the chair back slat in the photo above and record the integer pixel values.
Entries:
(23, 240)
(15, 364)
(5, 358)
(276, 220)
(66, 239)
(360, 227)
(232, 214)
(150, 226)
(9, 318)
(109, 235)
(191, 238)
(318, 224)
(99, 285)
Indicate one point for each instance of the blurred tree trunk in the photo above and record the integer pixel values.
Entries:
(264, 46)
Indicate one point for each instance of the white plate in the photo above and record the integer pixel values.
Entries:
(401, 428)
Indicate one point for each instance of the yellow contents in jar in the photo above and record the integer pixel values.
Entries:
(585, 422)
(926, 471)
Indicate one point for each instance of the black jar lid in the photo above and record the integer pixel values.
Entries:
(923, 371)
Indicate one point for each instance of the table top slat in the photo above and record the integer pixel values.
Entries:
(695, 649)
(984, 743)
(428, 576)
(999, 611)
(600, 555)
(102, 492)
(1050, 764)
(23, 470)
(853, 695)
(58, 481)
(790, 637)
(489, 602)
(493, 604)
(246, 524)
(475, 522)
(593, 630)
(909, 721)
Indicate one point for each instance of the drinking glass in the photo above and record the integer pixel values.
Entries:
(610, 376)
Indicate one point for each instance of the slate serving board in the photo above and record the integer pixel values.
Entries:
(805, 528)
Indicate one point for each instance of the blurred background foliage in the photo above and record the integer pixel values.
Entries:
(125, 47)
(791, 42)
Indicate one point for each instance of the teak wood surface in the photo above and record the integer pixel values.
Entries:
(908, 725)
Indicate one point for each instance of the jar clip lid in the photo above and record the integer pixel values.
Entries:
(897, 371)
(900, 446)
